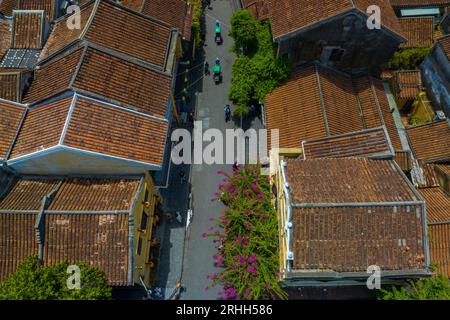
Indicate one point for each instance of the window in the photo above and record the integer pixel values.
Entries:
(144, 220)
(336, 55)
(139, 246)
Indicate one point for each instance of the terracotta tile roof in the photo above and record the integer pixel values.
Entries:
(27, 194)
(341, 238)
(5, 37)
(17, 241)
(440, 247)
(172, 12)
(108, 130)
(61, 36)
(259, 8)
(438, 204)
(9, 86)
(429, 175)
(445, 169)
(7, 6)
(28, 30)
(367, 143)
(114, 79)
(41, 128)
(96, 239)
(326, 102)
(419, 32)
(445, 45)
(82, 194)
(291, 15)
(131, 85)
(403, 160)
(176, 13)
(431, 141)
(53, 78)
(346, 180)
(136, 5)
(93, 126)
(10, 117)
(408, 84)
(419, 3)
(119, 29)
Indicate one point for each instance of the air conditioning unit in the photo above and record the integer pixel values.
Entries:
(440, 115)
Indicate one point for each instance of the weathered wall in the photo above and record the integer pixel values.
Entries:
(363, 47)
(436, 78)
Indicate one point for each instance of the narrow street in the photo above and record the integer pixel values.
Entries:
(198, 254)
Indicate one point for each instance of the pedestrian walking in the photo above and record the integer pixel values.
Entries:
(182, 177)
(227, 111)
(207, 72)
(169, 217)
(178, 217)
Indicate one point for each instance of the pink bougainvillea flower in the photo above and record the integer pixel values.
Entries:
(254, 186)
(204, 235)
(251, 269)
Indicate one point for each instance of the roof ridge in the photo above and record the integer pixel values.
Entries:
(322, 100)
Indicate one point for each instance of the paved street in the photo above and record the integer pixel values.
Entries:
(187, 254)
(198, 260)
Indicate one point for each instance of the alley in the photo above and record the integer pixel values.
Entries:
(198, 260)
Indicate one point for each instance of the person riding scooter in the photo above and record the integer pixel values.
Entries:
(227, 111)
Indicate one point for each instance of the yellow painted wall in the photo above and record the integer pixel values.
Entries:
(142, 263)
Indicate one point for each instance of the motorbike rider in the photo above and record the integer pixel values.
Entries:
(227, 110)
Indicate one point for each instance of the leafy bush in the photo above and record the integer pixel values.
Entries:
(31, 281)
(246, 237)
(408, 59)
(435, 288)
(257, 70)
(196, 20)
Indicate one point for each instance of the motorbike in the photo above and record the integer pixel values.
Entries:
(217, 71)
(218, 30)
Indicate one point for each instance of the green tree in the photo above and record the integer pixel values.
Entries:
(435, 288)
(408, 59)
(257, 70)
(244, 28)
(31, 281)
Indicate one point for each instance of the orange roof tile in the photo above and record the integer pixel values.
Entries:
(117, 28)
(17, 241)
(430, 142)
(85, 194)
(438, 204)
(7, 6)
(99, 73)
(109, 130)
(318, 102)
(367, 143)
(440, 247)
(93, 126)
(419, 32)
(10, 117)
(408, 84)
(330, 235)
(403, 160)
(27, 194)
(9, 86)
(28, 30)
(5, 37)
(288, 16)
(96, 237)
(42, 128)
